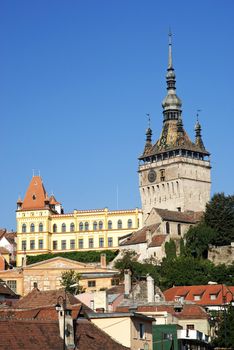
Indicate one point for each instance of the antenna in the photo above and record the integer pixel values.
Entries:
(149, 119)
(33, 171)
(198, 112)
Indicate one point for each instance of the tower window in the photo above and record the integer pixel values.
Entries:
(167, 228)
(34, 197)
(54, 228)
(63, 227)
(162, 174)
(109, 225)
(24, 228)
(32, 228)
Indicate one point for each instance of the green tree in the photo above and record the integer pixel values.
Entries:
(219, 215)
(198, 239)
(170, 249)
(225, 333)
(70, 280)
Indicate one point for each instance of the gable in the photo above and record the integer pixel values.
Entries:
(153, 217)
(57, 263)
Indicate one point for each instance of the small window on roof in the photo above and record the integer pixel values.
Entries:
(197, 297)
(213, 296)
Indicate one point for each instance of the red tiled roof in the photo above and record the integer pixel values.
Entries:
(29, 335)
(5, 290)
(37, 299)
(177, 216)
(204, 291)
(53, 201)
(90, 337)
(157, 240)
(140, 235)
(35, 195)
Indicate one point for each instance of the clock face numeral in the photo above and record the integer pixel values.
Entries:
(152, 176)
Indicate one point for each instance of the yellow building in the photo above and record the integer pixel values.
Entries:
(42, 226)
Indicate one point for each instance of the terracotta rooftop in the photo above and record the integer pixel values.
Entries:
(5, 290)
(140, 236)
(37, 299)
(35, 195)
(186, 216)
(157, 240)
(88, 333)
(30, 335)
(211, 294)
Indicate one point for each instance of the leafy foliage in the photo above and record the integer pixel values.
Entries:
(198, 239)
(170, 249)
(219, 215)
(70, 278)
(85, 257)
(225, 333)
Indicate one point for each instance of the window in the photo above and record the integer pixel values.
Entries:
(32, 244)
(167, 227)
(100, 224)
(63, 227)
(190, 326)
(115, 282)
(55, 245)
(81, 226)
(72, 227)
(197, 297)
(179, 229)
(91, 283)
(141, 330)
(12, 284)
(72, 244)
(81, 244)
(95, 225)
(109, 225)
(54, 228)
(213, 296)
(40, 227)
(162, 174)
(120, 224)
(86, 226)
(110, 242)
(101, 242)
(129, 223)
(40, 243)
(32, 228)
(63, 244)
(90, 242)
(24, 228)
(23, 245)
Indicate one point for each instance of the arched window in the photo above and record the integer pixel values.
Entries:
(81, 226)
(120, 225)
(179, 229)
(100, 225)
(72, 227)
(95, 225)
(24, 228)
(40, 227)
(167, 227)
(86, 226)
(32, 228)
(129, 223)
(54, 228)
(109, 225)
(63, 227)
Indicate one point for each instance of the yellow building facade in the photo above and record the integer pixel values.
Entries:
(42, 227)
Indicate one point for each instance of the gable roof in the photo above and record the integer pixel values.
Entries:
(37, 298)
(140, 236)
(204, 291)
(190, 217)
(35, 195)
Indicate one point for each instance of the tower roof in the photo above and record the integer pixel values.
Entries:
(35, 195)
(173, 136)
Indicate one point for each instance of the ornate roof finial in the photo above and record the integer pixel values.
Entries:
(198, 137)
(170, 49)
(148, 131)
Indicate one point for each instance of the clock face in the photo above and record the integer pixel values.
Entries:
(151, 176)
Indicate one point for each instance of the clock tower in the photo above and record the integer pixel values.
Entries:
(174, 172)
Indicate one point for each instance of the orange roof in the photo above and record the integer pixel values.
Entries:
(35, 195)
(53, 201)
(211, 294)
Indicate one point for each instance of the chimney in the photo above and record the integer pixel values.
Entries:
(103, 261)
(150, 289)
(127, 282)
(68, 330)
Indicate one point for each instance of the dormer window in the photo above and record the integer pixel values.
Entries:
(34, 197)
(197, 297)
(213, 296)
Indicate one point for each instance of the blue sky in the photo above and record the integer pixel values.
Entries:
(78, 77)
